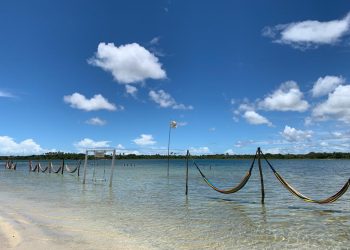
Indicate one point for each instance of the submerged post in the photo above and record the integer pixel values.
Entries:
(187, 156)
(112, 169)
(62, 167)
(85, 163)
(261, 177)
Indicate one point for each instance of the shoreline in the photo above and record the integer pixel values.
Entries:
(24, 228)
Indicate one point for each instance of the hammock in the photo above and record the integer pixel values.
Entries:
(10, 165)
(230, 190)
(41, 169)
(295, 192)
(69, 170)
(53, 169)
(31, 169)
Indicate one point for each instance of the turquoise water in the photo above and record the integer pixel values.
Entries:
(146, 205)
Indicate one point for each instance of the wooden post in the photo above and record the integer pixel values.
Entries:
(62, 167)
(187, 156)
(169, 149)
(261, 178)
(50, 165)
(112, 169)
(85, 165)
(79, 168)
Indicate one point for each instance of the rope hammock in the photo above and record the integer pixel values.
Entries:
(35, 169)
(43, 169)
(71, 171)
(284, 183)
(295, 192)
(235, 189)
(58, 170)
(10, 165)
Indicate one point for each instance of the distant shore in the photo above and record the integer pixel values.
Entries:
(79, 156)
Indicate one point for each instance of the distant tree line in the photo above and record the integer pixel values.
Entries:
(81, 156)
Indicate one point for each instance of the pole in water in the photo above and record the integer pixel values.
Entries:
(187, 156)
(168, 149)
(62, 167)
(261, 177)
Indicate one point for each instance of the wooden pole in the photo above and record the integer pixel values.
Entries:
(62, 167)
(261, 178)
(169, 149)
(112, 169)
(85, 165)
(50, 165)
(187, 156)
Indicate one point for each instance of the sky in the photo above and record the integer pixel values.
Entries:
(234, 75)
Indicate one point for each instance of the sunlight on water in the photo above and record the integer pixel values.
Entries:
(153, 210)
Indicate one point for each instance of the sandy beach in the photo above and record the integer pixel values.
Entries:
(22, 227)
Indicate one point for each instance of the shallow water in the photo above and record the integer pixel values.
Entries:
(152, 209)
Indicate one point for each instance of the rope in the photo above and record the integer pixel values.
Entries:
(235, 189)
(295, 192)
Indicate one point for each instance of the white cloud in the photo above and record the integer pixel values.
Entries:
(97, 102)
(155, 40)
(165, 100)
(8, 146)
(254, 118)
(199, 150)
(6, 94)
(294, 135)
(337, 106)
(96, 121)
(120, 149)
(229, 151)
(325, 85)
(131, 90)
(145, 140)
(287, 97)
(129, 63)
(87, 143)
(181, 124)
(309, 33)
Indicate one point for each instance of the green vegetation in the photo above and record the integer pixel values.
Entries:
(76, 156)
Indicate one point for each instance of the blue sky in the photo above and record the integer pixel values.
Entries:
(235, 75)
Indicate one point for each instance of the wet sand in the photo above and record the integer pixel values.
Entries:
(22, 227)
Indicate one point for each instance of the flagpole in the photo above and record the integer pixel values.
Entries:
(172, 124)
(169, 148)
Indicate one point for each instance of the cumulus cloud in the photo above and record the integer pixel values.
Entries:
(96, 121)
(287, 97)
(97, 102)
(199, 150)
(295, 135)
(6, 94)
(337, 106)
(8, 146)
(254, 118)
(145, 140)
(325, 85)
(87, 143)
(129, 63)
(120, 149)
(310, 33)
(131, 90)
(165, 100)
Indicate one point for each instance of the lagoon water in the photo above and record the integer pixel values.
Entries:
(147, 210)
